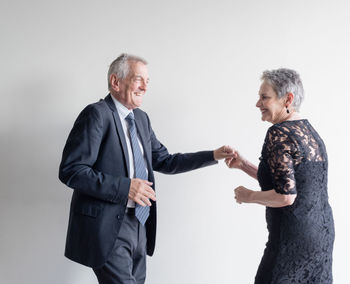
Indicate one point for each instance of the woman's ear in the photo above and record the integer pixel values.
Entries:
(289, 99)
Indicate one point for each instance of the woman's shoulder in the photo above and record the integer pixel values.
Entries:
(277, 130)
(284, 131)
(288, 127)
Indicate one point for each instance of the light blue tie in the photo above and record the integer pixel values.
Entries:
(141, 212)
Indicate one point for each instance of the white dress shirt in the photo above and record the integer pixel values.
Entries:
(123, 113)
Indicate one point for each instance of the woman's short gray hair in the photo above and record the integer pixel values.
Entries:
(120, 66)
(285, 81)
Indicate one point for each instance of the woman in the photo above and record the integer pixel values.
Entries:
(293, 177)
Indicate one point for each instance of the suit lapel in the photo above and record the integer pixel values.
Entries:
(120, 130)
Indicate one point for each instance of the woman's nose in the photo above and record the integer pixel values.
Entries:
(258, 103)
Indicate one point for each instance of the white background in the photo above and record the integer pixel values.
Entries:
(205, 60)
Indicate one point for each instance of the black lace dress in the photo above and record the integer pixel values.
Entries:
(301, 236)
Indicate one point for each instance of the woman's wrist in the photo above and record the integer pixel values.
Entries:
(243, 165)
(251, 196)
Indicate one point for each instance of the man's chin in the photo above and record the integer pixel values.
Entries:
(137, 104)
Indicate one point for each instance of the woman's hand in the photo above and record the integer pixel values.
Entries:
(234, 162)
(243, 195)
(238, 162)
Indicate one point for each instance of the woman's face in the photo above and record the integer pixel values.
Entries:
(272, 108)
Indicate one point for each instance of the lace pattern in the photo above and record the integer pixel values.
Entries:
(301, 236)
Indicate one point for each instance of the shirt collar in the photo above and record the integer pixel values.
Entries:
(122, 110)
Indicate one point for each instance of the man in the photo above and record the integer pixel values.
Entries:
(108, 160)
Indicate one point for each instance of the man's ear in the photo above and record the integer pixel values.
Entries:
(289, 99)
(114, 82)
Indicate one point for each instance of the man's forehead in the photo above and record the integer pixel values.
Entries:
(133, 63)
(140, 74)
(137, 66)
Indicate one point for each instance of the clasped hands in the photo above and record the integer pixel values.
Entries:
(141, 191)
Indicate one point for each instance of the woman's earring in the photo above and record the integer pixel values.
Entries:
(287, 110)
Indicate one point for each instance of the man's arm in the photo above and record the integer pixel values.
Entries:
(164, 162)
(80, 154)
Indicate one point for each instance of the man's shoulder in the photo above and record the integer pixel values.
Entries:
(100, 105)
(139, 113)
(99, 111)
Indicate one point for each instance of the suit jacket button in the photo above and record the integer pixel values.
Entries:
(118, 217)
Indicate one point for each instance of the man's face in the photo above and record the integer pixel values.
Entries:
(130, 91)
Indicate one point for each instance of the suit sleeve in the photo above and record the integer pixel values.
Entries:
(79, 156)
(177, 163)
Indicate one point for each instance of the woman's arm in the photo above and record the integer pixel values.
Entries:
(249, 169)
(239, 162)
(269, 198)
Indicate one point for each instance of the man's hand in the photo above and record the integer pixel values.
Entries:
(141, 192)
(223, 152)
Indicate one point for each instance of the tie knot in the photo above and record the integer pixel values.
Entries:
(130, 117)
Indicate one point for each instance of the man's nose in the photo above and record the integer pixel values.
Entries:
(143, 86)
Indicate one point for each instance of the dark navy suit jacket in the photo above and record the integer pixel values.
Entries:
(95, 164)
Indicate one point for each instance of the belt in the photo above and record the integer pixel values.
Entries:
(130, 211)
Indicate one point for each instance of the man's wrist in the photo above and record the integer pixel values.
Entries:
(214, 155)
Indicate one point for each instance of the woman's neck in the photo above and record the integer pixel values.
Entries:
(289, 117)
(294, 116)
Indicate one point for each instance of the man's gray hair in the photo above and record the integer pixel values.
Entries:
(285, 81)
(120, 66)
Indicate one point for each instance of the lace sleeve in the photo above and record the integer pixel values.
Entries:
(280, 150)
